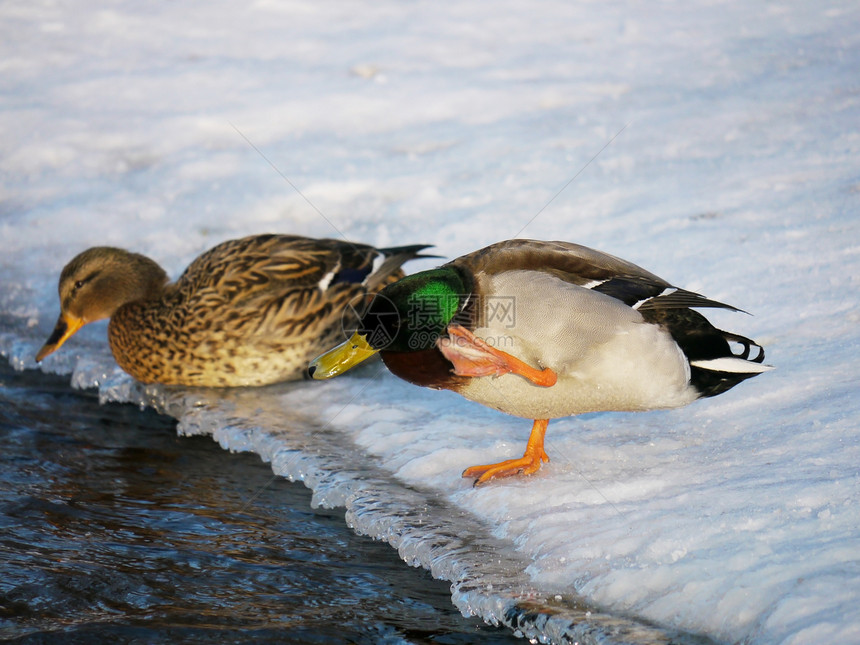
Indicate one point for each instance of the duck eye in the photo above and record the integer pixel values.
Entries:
(79, 284)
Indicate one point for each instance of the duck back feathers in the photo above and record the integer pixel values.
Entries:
(571, 262)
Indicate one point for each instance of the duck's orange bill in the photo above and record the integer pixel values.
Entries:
(65, 329)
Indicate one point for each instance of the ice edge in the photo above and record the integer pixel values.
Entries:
(426, 530)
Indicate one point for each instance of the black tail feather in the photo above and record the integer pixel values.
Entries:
(748, 345)
(701, 341)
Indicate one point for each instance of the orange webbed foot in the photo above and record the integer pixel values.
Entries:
(471, 356)
(528, 464)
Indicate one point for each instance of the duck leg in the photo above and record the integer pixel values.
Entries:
(528, 464)
(472, 356)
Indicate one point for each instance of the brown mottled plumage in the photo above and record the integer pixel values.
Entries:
(250, 311)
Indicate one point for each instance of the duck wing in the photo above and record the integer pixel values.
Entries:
(288, 283)
(586, 267)
(573, 263)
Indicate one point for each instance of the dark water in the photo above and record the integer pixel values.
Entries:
(113, 529)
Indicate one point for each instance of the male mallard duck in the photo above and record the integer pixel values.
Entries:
(250, 311)
(543, 330)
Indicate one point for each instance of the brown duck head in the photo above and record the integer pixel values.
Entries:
(95, 284)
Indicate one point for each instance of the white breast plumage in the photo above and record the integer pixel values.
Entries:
(605, 355)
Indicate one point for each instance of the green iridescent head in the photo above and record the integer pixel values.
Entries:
(407, 316)
(412, 313)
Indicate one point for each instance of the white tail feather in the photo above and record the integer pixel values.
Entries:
(731, 365)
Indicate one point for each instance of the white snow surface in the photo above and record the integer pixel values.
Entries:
(716, 144)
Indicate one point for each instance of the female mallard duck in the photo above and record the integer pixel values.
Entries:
(250, 311)
(543, 330)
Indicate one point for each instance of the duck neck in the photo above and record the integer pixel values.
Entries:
(425, 368)
(146, 279)
(120, 279)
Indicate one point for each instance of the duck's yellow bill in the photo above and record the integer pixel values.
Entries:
(341, 358)
(65, 328)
